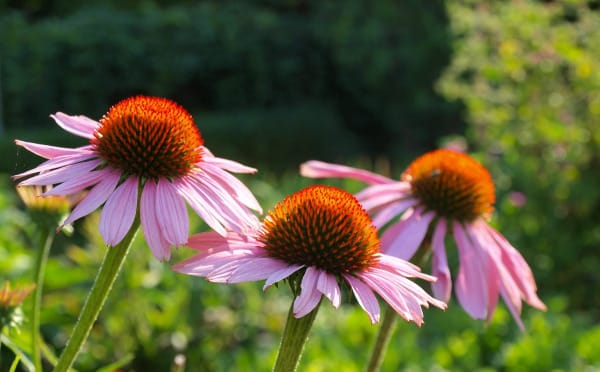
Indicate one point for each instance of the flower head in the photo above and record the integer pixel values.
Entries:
(145, 153)
(445, 192)
(45, 211)
(10, 301)
(321, 236)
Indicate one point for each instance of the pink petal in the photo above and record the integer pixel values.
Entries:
(404, 238)
(80, 125)
(404, 268)
(171, 213)
(319, 169)
(509, 289)
(63, 174)
(50, 152)
(365, 297)
(204, 264)
(514, 311)
(518, 268)
(257, 269)
(226, 164)
(327, 284)
(471, 283)
(442, 288)
(281, 274)
(58, 162)
(77, 184)
(309, 295)
(497, 275)
(216, 205)
(234, 216)
(389, 212)
(411, 289)
(235, 186)
(226, 266)
(96, 197)
(119, 212)
(378, 195)
(394, 295)
(222, 273)
(158, 244)
(200, 203)
(214, 240)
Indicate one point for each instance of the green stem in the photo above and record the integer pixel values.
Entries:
(110, 268)
(386, 330)
(294, 337)
(390, 317)
(47, 237)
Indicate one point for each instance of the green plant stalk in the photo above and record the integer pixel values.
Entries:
(47, 237)
(110, 268)
(293, 340)
(384, 335)
(386, 330)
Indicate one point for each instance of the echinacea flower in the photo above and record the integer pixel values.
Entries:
(11, 315)
(146, 153)
(445, 192)
(322, 235)
(45, 211)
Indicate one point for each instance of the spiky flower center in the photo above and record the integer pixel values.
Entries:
(321, 226)
(149, 137)
(452, 184)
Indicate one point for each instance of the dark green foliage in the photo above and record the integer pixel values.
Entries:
(372, 64)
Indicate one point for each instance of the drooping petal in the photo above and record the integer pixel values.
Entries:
(389, 212)
(309, 295)
(119, 212)
(327, 284)
(96, 197)
(233, 215)
(200, 203)
(405, 268)
(496, 274)
(518, 268)
(152, 231)
(216, 206)
(442, 288)
(222, 273)
(388, 288)
(68, 172)
(171, 213)
(235, 186)
(379, 195)
(319, 169)
(55, 163)
(76, 184)
(404, 238)
(51, 152)
(205, 263)
(365, 297)
(226, 164)
(411, 290)
(471, 282)
(281, 274)
(257, 269)
(214, 241)
(508, 287)
(79, 125)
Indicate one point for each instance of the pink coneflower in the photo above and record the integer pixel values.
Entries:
(321, 236)
(446, 192)
(145, 150)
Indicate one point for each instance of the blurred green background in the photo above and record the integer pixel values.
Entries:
(274, 83)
